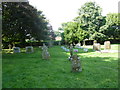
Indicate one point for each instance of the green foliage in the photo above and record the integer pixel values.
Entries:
(110, 29)
(20, 19)
(74, 33)
(90, 19)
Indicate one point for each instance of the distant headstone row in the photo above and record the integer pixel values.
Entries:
(29, 49)
(75, 50)
(97, 46)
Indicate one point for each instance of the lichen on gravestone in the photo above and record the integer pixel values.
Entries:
(76, 64)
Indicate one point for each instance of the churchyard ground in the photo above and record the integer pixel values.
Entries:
(28, 70)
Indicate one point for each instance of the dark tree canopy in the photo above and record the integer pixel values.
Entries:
(20, 20)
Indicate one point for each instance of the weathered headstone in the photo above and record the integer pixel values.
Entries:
(59, 43)
(10, 46)
(78, 45)
(76, 64)
(50, 44)
(107, 45)
(45, 53)
(13, 45)
(84, 43)
(29, 49)
(16, 49)
(96, 46)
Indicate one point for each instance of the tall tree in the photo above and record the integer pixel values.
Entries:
(90, 19)
(73, 32)
(19, 20)
(111, 28)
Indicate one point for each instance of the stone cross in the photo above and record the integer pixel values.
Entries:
(10, 46)
(76, 64)
(45, 53)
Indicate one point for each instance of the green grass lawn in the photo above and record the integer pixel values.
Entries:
(28, 70)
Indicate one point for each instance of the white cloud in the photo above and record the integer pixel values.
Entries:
(59, 11)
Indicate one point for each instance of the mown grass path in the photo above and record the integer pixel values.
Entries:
(22, 70)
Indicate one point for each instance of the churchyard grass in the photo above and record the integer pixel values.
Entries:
(28, 70)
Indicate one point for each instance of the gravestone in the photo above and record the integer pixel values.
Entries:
(59, 43)
(13, 45)
(96, 46)
(29, 49)
(84, 43)
(78, 45)
(10, 46)
(76, 64)
(107, 45)
(16, 49)
(45, 53)
(50, 44)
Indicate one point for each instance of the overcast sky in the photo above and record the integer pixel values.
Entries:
(59, 11)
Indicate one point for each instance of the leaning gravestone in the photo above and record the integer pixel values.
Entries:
(16, 49)
(96, 46)
(29, 49)
(107, 45)
(45, 53)
(76, 64)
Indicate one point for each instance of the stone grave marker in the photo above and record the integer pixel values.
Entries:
(10, 46)
(50, 44)
(78, 45)
(45, 53)
(59, 43)
(107, 45)
(76, 64)
(29, 49)
(16, 49)
(13, 45)
(96, 46)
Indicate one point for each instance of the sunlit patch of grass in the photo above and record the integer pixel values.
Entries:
(23, 70)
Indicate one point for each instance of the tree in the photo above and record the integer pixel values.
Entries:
(90, 18)
(20, 19)
(73, 33)
(110, 29)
